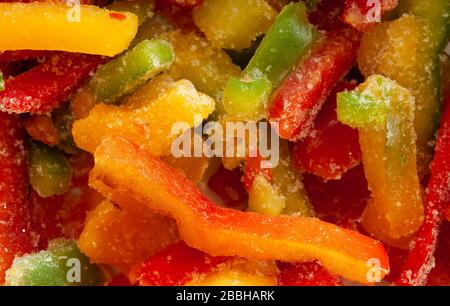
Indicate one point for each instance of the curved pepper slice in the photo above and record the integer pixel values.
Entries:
(419, 261)
(51, 26)
(383, 111)
(332, 148)
(300, 96)
(15, 213)
(43, 88)
(306, 274)
(175, 265)
(364, 14)
(123, 170)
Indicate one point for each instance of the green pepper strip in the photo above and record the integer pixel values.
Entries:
(124, 74)
(62, 264)
(287, 40)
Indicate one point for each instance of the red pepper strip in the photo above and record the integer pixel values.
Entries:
(15, 234)
(447, 213)
(45, 87)
(419, 262)
(332, 148)
(123, 170)
(21, 55)
(342, 201)
(228, 186)
(327, 16)
(176, 265)
(306, 274)
(440, 275)
(253, 169)
(362, 14)
(301, 95)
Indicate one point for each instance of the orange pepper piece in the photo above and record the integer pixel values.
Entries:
(125, 171)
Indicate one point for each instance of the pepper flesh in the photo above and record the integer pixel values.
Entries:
(147, 118)
(123, 170)
(363, 14)
(15, 235)
(407, 50)
(43, 88)
(295, 104)
(51, 26)
(384, 113)
(306, 274)
(289, 37)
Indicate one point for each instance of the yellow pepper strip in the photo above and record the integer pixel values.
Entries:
(264, 198)
(402, 51)
(384, 113)
(147, 118)
(123, 236)
(49, 26)
(241, 272)
(233, 24)
(123, 171)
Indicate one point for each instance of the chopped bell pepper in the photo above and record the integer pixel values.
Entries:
(124, 171)
(420, 259)
(383, 111)
(124, 236)
(124, 74)
(21, 55)
(148, 117)
(45, 87)
(300, 96)
(233, 24)
(306, 274)
(286, 41)
(51, 26)
(331, 148)
(175, 265)
(363, 14)
(407, 50)
(15, 234)
(62, 264)
(265, 198)
(50, 173)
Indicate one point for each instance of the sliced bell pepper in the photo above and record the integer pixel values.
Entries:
(331, 148)
(175, 265)
(180, 16)
(420, 259)
(124, 74)
(41, 128)
(148, 117)
(397, 50)
(265, 198)
(228, 186)
(62, 264)
(49, 171)
(306, 274)
(124, 236)
(253, 169)
(286, 41)
(327, 15)
(233, 24)
(124, 171)
(2, 82)
(194, 168)
(300, 96)
(45, 87)
(15, 213)
(52, 26)
(182, 3)
(364, 14)
(21, 55)
(440, 274)
(383, 111)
